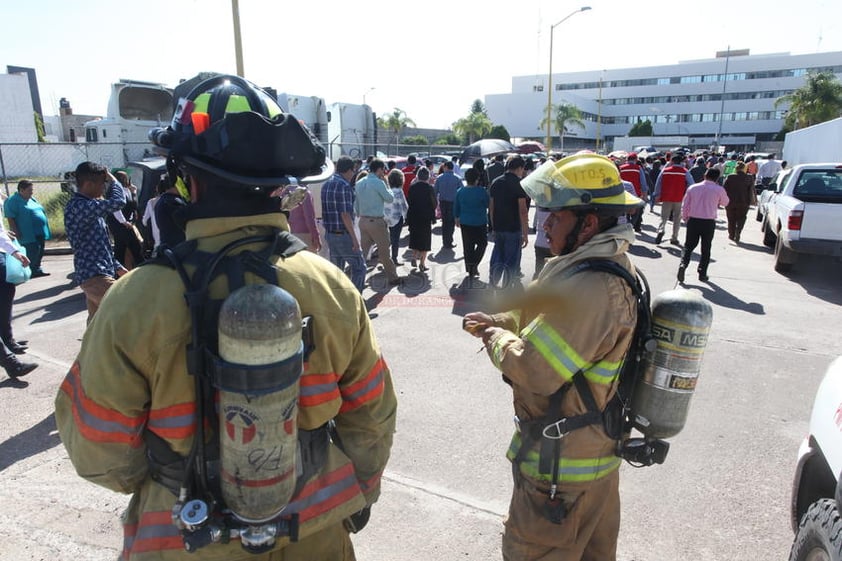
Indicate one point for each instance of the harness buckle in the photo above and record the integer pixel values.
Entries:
(559, 430)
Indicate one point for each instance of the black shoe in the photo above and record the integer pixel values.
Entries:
(40, 274)
(17, 349)
(703, 277)
(659, 238)
(413, 263)
(16, 369)
(675, 242)
(681, 273)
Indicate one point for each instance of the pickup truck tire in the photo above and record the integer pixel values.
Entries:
(819, 536)
(784, 257)
(768, 235)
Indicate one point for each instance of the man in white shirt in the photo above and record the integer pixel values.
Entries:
(767, 171)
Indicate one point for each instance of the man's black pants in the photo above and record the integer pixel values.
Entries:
(698, 229)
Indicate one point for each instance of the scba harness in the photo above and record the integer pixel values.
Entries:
(200, 511)
(548, 432)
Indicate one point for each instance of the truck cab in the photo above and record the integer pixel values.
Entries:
(133, 108)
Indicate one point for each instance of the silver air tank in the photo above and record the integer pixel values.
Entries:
(681, 321)
(260, 344)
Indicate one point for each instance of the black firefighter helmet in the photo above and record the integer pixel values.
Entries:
(234, 130)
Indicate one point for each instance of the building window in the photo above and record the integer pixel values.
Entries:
(663, 81)
(72, 135)
(539, 88)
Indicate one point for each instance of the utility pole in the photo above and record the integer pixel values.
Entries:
(238, 41)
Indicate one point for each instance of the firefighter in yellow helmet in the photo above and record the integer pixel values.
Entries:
(561, 351)
(140, 411)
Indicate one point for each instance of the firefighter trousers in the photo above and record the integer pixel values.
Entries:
(587, 533)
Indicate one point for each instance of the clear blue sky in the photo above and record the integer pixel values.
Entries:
(431, 60)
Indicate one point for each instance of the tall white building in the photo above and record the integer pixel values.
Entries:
(728, 100)
(17, 116)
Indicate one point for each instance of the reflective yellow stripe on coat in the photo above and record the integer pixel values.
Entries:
(563, 358)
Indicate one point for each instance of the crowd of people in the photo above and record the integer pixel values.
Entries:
(487, 204)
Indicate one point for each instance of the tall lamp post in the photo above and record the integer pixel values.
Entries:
(238, 42)
(549, 142)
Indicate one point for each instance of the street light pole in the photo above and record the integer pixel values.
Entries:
(549, 139)
(238, 42)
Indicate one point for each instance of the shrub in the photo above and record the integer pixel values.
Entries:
(53, 205)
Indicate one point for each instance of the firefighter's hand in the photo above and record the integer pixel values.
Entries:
(358, 520)
(490, 332)
(476, 322)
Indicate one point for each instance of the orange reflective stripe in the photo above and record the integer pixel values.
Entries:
(316, 389)
(362, 391)
(372, 482)
(325, 493)
(155, 532)
(98, 423)
(175, 421)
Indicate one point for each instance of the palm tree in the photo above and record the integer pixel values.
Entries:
(474, 126)
(395, 122)
(817, 101)
(563, 114)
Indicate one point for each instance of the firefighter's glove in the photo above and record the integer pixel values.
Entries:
(358, 520)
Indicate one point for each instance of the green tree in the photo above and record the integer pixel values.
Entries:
(39, 127)
(478, 107)
(641, 128)
(474, 126)
(395, 122)
(499, 131)
(417, 140)
(562, 115)
(817, 101)
(449, 139)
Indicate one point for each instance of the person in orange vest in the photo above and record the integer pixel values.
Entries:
(670, 187)
(634, 173)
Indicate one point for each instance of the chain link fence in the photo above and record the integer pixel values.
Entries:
(48, 163)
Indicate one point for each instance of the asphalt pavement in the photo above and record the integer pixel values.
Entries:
(723, 493)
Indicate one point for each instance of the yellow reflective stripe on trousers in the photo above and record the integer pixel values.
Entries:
(572, 470)
(553, 348)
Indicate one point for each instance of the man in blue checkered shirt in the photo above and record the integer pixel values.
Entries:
(338, 220)
(96, 268)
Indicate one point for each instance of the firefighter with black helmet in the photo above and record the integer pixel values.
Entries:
(288, 372)
(561, 349)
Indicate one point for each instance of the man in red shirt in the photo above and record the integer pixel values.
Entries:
(634, 173)
(670, 187)
(409, 173)
(699, 209)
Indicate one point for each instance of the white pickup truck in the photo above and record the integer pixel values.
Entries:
(801, 212)
(816, 490)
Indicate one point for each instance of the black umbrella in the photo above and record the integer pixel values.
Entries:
(487, 147)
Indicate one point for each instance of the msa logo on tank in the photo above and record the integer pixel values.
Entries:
(678, 370)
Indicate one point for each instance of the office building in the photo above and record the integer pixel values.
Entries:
(727, 101)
